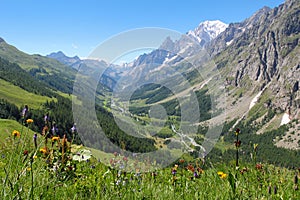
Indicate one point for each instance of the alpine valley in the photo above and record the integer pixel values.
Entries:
(242, 75)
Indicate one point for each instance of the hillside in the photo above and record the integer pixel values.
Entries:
(56, 75)
(30, 172)
(8, 126)
(13, 73)
(20, 97)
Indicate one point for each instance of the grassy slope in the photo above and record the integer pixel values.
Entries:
(50, 71)
(27, 61)
(7, 126)
(19, 97)
(93, 180)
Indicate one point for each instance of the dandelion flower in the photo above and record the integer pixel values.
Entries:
(28, 169)
(29, 121)
(34, 157)
(16, 133)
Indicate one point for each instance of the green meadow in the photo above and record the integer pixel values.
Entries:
(19, 97)
(57, 169)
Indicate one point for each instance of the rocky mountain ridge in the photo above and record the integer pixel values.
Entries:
(264, 54)
(61, 57)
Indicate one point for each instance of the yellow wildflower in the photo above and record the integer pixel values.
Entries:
(29, 121)
(16, 133)
(55, 138)
(43, 150)
(28, 169)
(222, 175)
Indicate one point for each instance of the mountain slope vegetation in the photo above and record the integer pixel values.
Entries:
(56, 75)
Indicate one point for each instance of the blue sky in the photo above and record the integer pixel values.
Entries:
(77, 27)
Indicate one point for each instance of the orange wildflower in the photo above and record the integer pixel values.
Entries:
(55, 138)
(16, 133)
(181, 161)
(29, 121)
(43, 150)
(190, 168)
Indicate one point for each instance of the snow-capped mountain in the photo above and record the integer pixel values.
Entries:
(171, 52)
(207, 30)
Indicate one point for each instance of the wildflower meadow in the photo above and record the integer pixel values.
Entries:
(44, 166)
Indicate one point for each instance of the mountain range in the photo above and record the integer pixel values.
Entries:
(253, 64)
(61, 57)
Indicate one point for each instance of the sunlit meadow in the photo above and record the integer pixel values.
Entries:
(34, 166)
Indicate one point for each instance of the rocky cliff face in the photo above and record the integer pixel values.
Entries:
(263, 53)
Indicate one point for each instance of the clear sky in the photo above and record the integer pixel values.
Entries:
(77, 27)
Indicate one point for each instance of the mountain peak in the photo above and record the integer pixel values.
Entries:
(61, 57)
(168, 44)
(208, 30)
(257, 15)
(60, 53)
(2, 40)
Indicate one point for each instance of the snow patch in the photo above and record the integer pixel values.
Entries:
(285, 119)
(229, 43)
(254, 100)
(242, 28)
